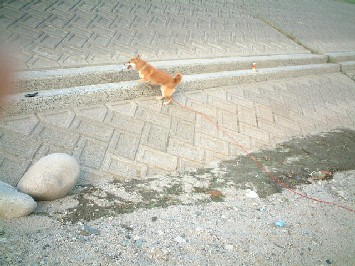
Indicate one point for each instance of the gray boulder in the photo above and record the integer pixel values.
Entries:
(14, 204)
(52, 177)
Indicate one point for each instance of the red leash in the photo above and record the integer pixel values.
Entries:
(257, 163)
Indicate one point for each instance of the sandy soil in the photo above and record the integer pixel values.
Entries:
(199, 222)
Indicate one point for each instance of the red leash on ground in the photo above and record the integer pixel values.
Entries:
(257, 163)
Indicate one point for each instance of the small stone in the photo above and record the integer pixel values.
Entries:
(262, 209)
(179, 239)
(52, 177)
(14, 204)
(154, 218)
(88, 230)
(139, 243)
(228, 247)
(251, 194)
(215, 194)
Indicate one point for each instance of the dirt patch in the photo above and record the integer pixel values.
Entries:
(298, 161)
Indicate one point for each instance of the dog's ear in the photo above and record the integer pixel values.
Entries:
(138, 56)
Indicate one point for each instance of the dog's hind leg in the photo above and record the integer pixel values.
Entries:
(168, 94)
(168, 101)
(162, 93)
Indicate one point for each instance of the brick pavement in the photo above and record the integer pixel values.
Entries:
(65, 33)
(142, 137)
(320, 26)
(139, 138)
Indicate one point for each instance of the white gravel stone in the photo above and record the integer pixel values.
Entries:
(14, 204)
(52, 177)
(251, 194)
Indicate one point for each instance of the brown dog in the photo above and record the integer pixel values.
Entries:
(150, 74)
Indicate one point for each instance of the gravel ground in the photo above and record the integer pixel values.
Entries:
(216, 216)
(238, 231)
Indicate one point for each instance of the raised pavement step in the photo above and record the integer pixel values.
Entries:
(71, 77)
(108, 92)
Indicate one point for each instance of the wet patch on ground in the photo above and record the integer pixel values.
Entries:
(298, 161)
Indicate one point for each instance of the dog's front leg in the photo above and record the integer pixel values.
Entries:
(147, 85)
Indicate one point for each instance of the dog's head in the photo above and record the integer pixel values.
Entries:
(133, 62)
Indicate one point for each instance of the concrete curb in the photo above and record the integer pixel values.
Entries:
(65, 78)
(346, 60)
(93, 94)
(341, 57)
(347, 66)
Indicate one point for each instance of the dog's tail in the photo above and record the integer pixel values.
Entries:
(178, 78)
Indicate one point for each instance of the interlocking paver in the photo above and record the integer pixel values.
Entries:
(124, 168)
(142, 137)
(157, 159)
(155, 137)
(322, 26)
(56, 136)
(23, 124)
(91, 153)
(124, 144)
(104, 33)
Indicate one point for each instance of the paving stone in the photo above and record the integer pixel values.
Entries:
(126, 123)
(12, 168)
(185, 150)
(247, 116)
(56, 136)
(182, 130)
(90, 153)
(17, 144)
(124, 168)
(262, 112)
(228, 120)
(124, 144)
(222, 104)
(23, 124)
(157, 159)
(206, 126)
(212, 157)
(58, 118)
(187, 165)
(95, 112)
(213, 144)
(288, 123)
(178, 112)
(153, 117)
(92, 129)
(254, 132)
(155, 137)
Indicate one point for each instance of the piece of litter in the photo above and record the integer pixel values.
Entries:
(253, 66)
(31, 94)
(280, 223)
(251, 194)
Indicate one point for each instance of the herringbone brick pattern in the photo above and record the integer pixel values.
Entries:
(321, 26)
(64, 33)
(142, 137)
